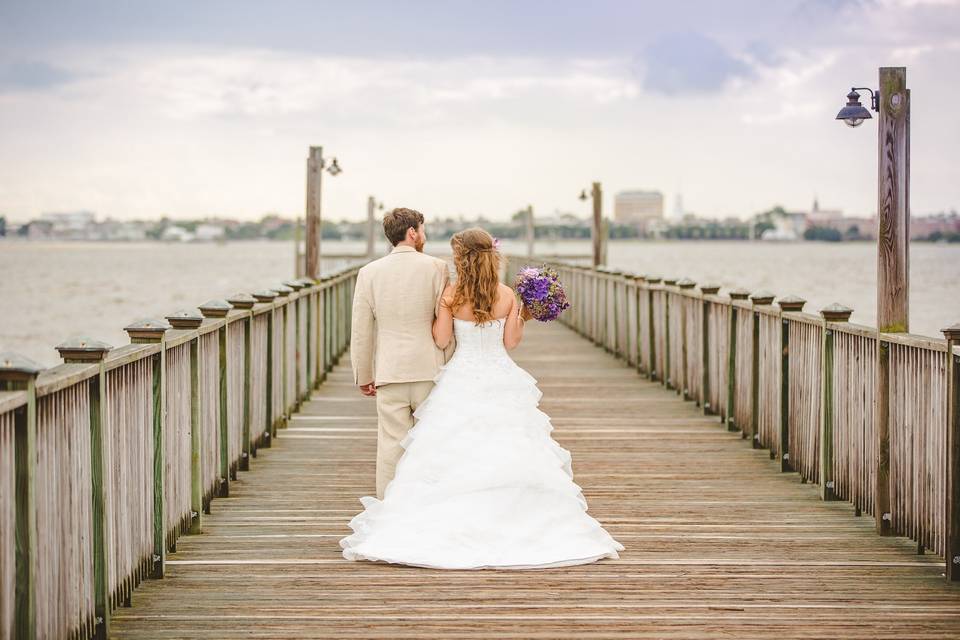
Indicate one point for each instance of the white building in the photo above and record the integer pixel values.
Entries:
(71, 225)
(632, 207)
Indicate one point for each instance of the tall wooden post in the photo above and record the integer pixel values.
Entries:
(530, 230)
(87, 351)
(371, 224)
(20, 373)
(152, 332)
(597, 229)
(893, 260)
(952, 529)
(314, 171)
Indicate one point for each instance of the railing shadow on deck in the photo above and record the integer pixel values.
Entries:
(107, 459)
(806, 387)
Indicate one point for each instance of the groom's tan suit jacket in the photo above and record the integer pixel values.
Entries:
(391, 343)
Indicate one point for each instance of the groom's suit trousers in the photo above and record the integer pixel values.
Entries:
(396, 403)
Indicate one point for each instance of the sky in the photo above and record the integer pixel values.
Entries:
(136, 109)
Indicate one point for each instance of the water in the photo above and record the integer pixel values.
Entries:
(50, 291)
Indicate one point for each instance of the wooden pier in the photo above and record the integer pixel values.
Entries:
(718, 541)
(731, 441)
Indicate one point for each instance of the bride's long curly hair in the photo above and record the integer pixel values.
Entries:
(478, 272)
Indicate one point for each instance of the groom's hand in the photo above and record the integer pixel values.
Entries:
(368, 389)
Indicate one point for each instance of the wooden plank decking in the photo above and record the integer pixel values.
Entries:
(718, 542)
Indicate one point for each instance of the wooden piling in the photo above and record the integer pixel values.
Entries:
(312, 249)
(952, 507)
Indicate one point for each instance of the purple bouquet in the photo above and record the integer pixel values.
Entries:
(541, 292)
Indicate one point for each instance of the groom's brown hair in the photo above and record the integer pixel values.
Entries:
(396, 223)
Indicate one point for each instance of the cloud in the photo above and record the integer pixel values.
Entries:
(31, 75)
(690, 62)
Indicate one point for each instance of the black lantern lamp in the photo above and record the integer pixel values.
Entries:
(855, 113)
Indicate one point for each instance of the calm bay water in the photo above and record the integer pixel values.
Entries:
(52, 290)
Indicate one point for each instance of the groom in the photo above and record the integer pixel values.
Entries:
(391, 344)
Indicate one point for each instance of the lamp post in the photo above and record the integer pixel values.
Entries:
(372, 207)
(892, 102)
(315, 167)
(597, 230)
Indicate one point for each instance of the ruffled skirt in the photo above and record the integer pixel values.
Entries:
(481, 483)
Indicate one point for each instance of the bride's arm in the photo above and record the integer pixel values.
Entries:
(443, 323)
(513, 331)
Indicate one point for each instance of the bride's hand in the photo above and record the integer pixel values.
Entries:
(525, 313)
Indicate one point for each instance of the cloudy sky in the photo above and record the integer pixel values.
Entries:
(139, 109)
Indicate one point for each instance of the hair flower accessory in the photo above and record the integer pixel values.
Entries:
(496, 244)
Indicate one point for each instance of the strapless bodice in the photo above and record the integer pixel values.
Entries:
(484, 341)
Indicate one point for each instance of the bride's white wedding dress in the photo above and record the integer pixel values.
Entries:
(481, 483)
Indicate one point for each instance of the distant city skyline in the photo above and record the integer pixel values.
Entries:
(134, 110)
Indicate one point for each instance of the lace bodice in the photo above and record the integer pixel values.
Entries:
(484, 342)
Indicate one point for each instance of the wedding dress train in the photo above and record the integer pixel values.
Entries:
(481, 483)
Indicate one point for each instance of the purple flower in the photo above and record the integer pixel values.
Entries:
(542, 293)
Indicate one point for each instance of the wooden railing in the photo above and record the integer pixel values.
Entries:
(870, 417)
(107, 459)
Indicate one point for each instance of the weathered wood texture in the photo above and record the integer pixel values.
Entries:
(885, 432)
(236, 337)
(918, 444)
(209, 362)
(718, 543)
(128, 488)
(8, 515)
(64, 569)
(111, 462)
(176, 442)
(805, 382)
(259, 419)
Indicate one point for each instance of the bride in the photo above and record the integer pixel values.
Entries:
(481, 484)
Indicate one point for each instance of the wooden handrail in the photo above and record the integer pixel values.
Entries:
(135, 444)
(798, 384)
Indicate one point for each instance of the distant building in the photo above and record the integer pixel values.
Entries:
(637, 207)
(209, 232)
(72, 225)
(822, 217)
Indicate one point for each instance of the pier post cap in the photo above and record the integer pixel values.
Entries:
(185, 319)
(791, 303)
(242, 301)
(264, 295)
(653, 279)
(762, 298)
(836, 312)
(307, 282)
(686, 283)
(82, 349)
(296, 285)
(17, 368)
(283, 290)
(639, 277)
(215, 308)
(615, 272)
(147, 330)
(670, 281)
(952, 332)
(710, 289)
(739, 294)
